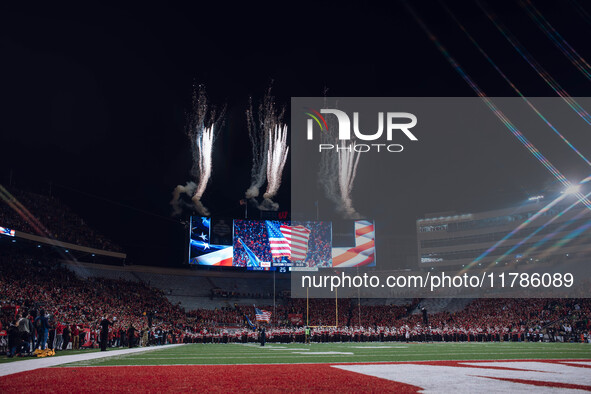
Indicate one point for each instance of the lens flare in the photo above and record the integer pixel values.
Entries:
(572, 103)
(567, 50)
(508, 124)
(519, 93)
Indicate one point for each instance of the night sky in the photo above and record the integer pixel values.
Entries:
(94, 99)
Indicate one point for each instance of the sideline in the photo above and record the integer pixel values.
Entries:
(45, 362)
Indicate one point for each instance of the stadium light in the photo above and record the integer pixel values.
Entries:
(572, 189)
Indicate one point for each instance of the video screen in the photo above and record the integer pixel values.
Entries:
(7, 231)
(210, 242)
(353, 244)
(265, 244)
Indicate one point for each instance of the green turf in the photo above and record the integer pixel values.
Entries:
(354, 352)
(5, 359)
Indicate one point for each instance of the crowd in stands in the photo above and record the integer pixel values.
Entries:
(255, 236)
(46, 290)
(223, 293)
(44, 304)
(57, 221)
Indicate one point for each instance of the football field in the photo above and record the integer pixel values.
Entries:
(329, 367)
(366, 352)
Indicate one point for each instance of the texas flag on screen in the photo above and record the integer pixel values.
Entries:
(290, 241)
(219, 255)
(7, 231)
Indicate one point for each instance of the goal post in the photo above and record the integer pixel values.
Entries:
(336, 304)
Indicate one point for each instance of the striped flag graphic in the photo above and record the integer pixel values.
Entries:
(297, 238)
(363, 253)
(262, 315)
(279, 244)
(289, 241)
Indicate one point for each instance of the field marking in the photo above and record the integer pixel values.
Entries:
(45, 362)
(324, 353)
(572, 360)
(579, 362)
(311, 354)
(272, 356)
(409, 353)
(378, 347)
(536, 376)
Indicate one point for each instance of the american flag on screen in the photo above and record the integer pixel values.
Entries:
(279, 244)
(290, 241)
(297, 238)
(262, 315)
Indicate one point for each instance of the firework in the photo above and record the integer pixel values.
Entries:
(337, 171)
(267, 135)
(203, 121)
(276, 158)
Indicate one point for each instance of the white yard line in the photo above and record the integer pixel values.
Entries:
(45, 362)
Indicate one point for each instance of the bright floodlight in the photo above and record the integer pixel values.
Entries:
(572, 189)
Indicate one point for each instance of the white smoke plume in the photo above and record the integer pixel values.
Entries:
(178, 202)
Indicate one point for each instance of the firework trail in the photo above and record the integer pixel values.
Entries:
(264, 127)
(329, 163)
(202, 123)
(506, 122)
(348, 161)
(204, 144)
(337, 171)
(535, 65)
(276, 158)
(337, 175)
(504, 76)
(577, 60)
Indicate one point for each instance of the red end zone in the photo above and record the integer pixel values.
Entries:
(374, 377)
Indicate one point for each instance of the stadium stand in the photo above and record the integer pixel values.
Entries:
(61, 222)
(436, 305)
(79, 296)
(157, 305)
